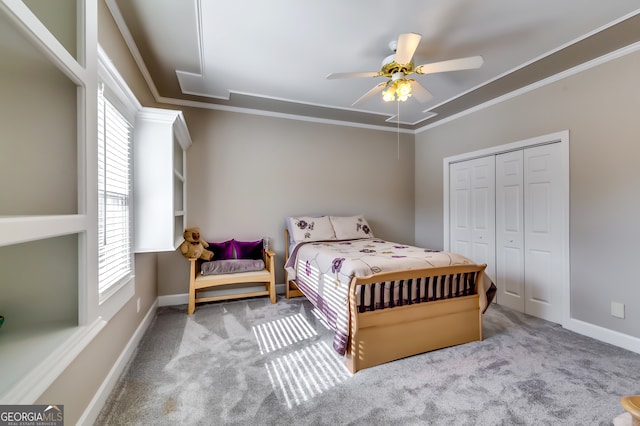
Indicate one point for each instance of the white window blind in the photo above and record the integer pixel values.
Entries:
(115, 249)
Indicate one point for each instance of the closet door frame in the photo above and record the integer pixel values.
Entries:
(561, 138)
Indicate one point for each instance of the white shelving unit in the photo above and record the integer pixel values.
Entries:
(47, 202)
(160, 181)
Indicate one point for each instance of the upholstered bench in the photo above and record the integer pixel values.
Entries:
(220, 277)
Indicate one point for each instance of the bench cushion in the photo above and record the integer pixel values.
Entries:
(230, 266)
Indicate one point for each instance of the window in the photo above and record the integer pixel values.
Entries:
(115, 249)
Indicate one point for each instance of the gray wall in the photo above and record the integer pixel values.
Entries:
(600, 107)
(246, 173)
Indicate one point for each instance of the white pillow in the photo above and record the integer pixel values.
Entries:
(350, 227)
(306, 228)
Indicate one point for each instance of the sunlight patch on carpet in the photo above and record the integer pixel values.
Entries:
(304, 374)
(279, 334)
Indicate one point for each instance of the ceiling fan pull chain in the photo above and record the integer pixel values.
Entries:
(398, 121)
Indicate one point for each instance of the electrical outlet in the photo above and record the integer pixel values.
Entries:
(138, 305)
(617, 309)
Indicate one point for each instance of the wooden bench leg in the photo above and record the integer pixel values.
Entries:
(272, 291)
(272, 280)
(192, 287)
(192, 300)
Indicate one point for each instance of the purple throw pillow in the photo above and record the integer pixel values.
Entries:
(249, 249)
(222, 251)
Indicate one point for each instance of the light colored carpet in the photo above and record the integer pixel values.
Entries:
(252, 363)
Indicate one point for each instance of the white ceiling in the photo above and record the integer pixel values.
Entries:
(274, 55)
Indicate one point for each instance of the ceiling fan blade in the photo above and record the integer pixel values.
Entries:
(407, 45)
(419, 92)
(335, 75)
(469, 63)
(375, 90)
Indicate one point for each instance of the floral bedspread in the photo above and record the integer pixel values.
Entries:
(323, 271)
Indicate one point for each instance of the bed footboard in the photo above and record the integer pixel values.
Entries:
(422, 324)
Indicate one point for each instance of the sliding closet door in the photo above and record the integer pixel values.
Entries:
(460, 208)
(544, 231)
(510, 230)
(472, 210)
(529, 222)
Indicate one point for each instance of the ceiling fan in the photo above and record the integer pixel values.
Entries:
(397, 66)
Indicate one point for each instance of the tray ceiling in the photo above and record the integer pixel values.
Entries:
(273, 57)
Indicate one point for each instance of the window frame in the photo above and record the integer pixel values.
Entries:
(112, 299)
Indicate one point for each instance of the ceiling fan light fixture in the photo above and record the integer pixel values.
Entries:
(389, 95)
(403, 89)
(398, 89)
(397, 66)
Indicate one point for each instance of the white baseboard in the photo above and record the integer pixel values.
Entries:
(183, 299)
(92, 411)
(604, 334)
(173, 300)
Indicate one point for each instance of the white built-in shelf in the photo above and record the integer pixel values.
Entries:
(160, 181)
(39, 300)
(20, 229)
(23, 348)
(32, 357)
(46, 101)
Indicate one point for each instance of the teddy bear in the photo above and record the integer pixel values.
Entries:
(193, 247)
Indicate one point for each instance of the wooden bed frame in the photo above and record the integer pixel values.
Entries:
(385, 335)
(631, 403)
